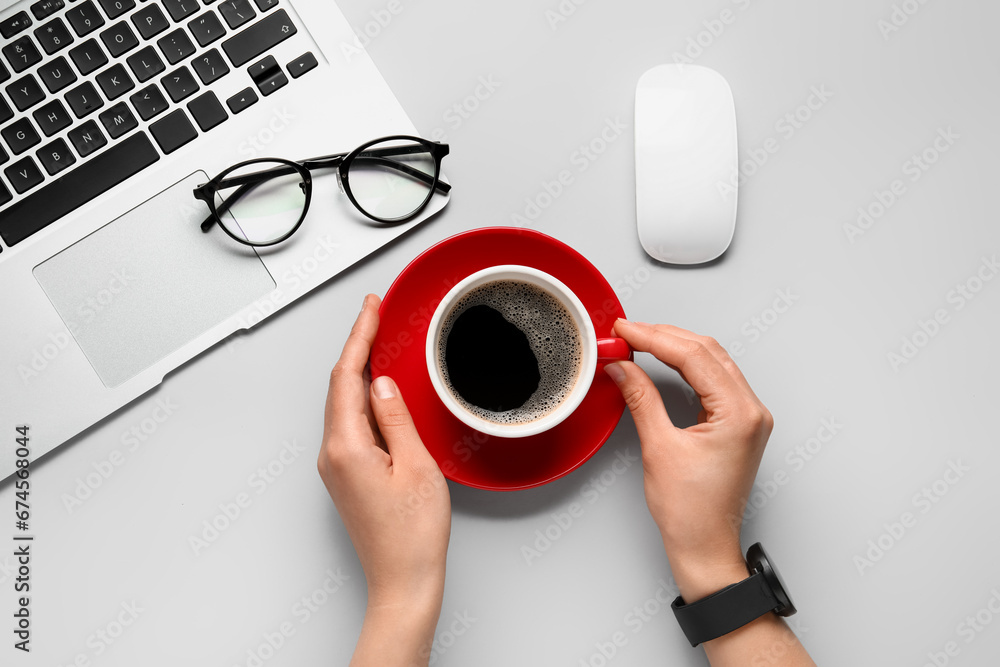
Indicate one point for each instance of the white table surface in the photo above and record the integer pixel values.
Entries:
(890, 557)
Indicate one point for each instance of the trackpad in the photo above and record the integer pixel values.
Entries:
(151, 281)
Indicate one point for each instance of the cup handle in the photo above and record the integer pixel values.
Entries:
(612, 349)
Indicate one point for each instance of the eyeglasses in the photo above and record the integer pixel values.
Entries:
(263, 201)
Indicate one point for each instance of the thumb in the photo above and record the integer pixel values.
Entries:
(643, 400)
(394, 420)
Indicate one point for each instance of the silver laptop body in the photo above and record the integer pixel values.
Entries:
(102, 302)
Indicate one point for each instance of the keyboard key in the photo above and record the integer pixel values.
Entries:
(116, 8)
(12, 25)
(55, 156)
(210, 66)
(302, 64)
(273, 82)
(3, 158)
(87, 138)
(53, 36)
(76, 187)
(118, 120)
(206, 28)
(236, 12)
(180, 9)
(119, 38)
(4, 72)
(25, 92)
(85, 18)
(207, 111)
(23, 175)
(145, 63)
(115, 81)
(22, 54)
(180, 84)
(258, 38)
(241, 100)
(267, 75)
(150, 21)
(176, 46)
(5, 111)
(52, 117)
(88, 56)
(149, 102)
(264, 5)
(20, 136)
(56, 74)
(46, 8)
(173, 131)
(5, 195)
(83, 99)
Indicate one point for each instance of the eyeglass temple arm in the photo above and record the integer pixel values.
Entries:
(379, 155)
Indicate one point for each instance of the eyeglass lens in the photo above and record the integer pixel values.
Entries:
(271, 204)
(392, 179)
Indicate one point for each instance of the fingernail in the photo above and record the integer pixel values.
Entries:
(384, 387)
(364, 303)
(616, 372)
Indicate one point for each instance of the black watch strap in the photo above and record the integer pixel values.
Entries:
(726, 610)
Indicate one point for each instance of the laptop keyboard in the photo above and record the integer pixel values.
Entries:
(95, 91)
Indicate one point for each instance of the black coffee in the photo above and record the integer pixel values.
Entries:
(509, 352)
(490, 362)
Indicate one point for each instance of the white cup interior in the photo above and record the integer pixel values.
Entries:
(588, 346)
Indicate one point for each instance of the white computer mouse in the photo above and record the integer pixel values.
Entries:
(685, 163)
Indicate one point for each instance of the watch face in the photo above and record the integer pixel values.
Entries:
(758, 561)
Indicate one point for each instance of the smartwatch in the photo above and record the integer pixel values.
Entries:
(736, 605)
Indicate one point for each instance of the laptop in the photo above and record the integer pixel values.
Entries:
(111, 113)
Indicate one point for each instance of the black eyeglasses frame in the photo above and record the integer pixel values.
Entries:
(342, 162)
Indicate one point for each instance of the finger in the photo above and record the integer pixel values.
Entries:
(348, 394)
(713, 346)
(395, 422)
(691, 358)
(643, 400)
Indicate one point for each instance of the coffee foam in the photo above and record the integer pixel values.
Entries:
(552, 335)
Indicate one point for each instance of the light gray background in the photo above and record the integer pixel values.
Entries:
(898, 430)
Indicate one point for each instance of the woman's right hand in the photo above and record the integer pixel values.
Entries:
(697, 479)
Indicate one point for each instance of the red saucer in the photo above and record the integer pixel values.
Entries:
(465, 455)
